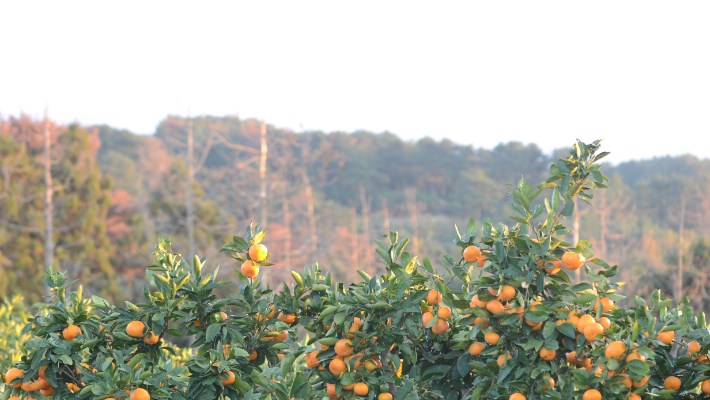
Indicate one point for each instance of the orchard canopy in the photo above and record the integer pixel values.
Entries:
(499, 319)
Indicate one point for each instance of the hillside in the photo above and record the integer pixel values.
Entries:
(327, 196)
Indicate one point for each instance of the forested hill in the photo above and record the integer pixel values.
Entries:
(323, 197)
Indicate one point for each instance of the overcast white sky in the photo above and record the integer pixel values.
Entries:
(634, 72)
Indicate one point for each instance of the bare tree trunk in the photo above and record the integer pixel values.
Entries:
(287, 234)
(188, 200)
(365, 225)
(679, 287)
(262, 176)
(385, 215)
(311, 216)
(48, 205)
(354, 243)
(575, 236)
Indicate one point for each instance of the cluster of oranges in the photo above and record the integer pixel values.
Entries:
(344, 357)
(257, 253)
(135, 329)
(443, 313)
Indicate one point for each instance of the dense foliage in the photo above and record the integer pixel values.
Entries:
(500, 319)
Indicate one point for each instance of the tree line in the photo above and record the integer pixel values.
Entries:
(322, 196)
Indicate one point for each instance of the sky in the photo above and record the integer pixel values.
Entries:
(636, 73)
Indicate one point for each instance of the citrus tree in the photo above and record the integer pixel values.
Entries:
(500, 319)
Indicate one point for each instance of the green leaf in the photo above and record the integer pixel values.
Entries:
(472, 228)
(212, 331)
(638, 367)
(287, 363)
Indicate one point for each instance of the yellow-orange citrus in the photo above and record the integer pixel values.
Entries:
(70, 332)
(135, 329)
(257, 252)
(249, 269)
(572, 260)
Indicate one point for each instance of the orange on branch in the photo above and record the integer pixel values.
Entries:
(257, 252)
(135, 329)
(249, 269)
(572, 261)
(434, 297)
(70, 332)
(472, 254)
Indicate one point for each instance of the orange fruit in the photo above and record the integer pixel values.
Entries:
(477, 303)
(135, 329)
(605, 322)
(607, 304)
(491, 338)
(47, 392)
(434, 297)
(29, 386)
(666, 337)
(635, 356)
(548, 383)
(140, 394)
(557, 266)
(337, 366)
(230, 380)
(223, 315)
(361, 389)
(642, 382)
(257, 252)
(626, 381)
(70, 332)
(503, 358)
(495, 307)
(702, 359)
(472, 254)
(384, 396)
(482, 259)
(693, 347)
(444, 312)
(507, 293)
(349, 387)
(331, 390)
(440, 327)
(288, 318)
(43, 384)
(633, 396)
(151, 338)
(572, 260)
(615, 350)
(281, 356)
(426, 317)
(479, 320)
(584, 321)
(592, 394)
(671, 383)
(253, 356)
(571, 357)
(370, 366)
(705, 387)
(592, 330)
(547, 355)
(249, 269)
(41, 372)
(12, 374)
(476, 349)
(537, 327)
(344, 347)
(516, 396)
